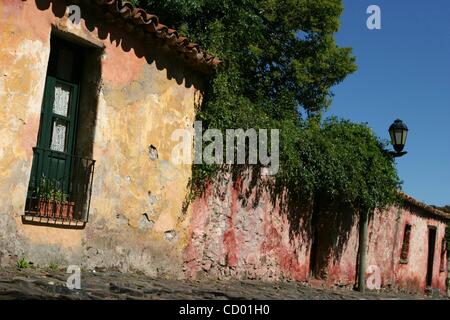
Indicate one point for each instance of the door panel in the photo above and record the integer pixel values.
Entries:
(57, 132)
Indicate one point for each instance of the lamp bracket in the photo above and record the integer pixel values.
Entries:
(398, 154)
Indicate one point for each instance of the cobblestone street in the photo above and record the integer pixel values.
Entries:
(44, 284)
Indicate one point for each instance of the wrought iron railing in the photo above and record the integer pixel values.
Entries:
(60, 186)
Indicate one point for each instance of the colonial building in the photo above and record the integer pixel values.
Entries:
(238, 230)
(90, 95)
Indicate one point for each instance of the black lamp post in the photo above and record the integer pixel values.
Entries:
(399, 135)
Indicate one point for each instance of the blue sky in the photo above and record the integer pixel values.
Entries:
(403, 72)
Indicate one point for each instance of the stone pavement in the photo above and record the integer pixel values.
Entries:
(47, 284)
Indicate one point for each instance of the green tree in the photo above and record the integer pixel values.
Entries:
(279, 56)
(280, 63)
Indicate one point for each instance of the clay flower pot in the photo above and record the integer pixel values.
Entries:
(64, 210)
(53, 209)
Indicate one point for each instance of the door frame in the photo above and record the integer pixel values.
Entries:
(432, 240)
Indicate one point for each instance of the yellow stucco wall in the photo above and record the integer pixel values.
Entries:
(145, 94)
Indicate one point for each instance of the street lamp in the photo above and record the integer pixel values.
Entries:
(399, 134)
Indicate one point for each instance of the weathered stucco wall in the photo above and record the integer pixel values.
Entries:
(232, 235)
(386, 238)
(145, 93)
(236, 232)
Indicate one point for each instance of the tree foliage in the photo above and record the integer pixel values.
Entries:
(278, 54)
(342, 160)
(280, 64)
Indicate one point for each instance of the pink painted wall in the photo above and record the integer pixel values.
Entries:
(386, 238)
(238, 232)
(229, 237)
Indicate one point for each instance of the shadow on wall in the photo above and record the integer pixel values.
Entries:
(332, 226)
(143, 44)
(323, 225)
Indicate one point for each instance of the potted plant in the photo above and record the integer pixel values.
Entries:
(51, 201)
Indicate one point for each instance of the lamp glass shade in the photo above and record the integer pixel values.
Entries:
(399, 134)
(405, 136)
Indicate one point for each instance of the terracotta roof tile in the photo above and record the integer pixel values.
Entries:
(152, 25)
(431, 210)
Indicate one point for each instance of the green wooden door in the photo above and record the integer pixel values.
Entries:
(52, 161)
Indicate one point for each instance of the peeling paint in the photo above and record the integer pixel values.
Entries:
(234, 235)
(139, 103)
